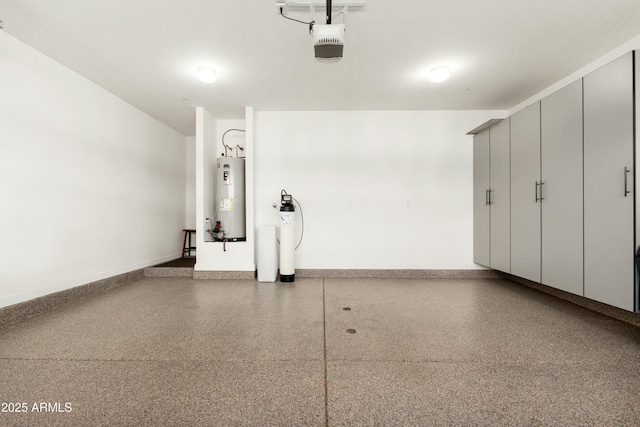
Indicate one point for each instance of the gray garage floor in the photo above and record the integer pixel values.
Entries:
(337, 352)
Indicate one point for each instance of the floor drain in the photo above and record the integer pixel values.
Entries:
(351, 331)
(347, 308)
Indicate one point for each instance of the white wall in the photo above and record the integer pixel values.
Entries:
(204, 166)
(91, 187)
(190, 201)
(379, 189)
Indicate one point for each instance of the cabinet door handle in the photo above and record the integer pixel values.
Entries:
(486, 197)
(490, 191)
(626, 188)
(537, 198)
(541, 191)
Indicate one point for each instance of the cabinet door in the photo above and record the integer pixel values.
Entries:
(525, 204)
(608, 209)
(562, 214)
(500, 197)
(481, 212)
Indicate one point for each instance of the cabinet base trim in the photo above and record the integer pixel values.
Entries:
(607, 310)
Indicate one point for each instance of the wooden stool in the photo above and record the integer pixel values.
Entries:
(186, 244)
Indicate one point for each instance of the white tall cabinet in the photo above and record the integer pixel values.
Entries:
(525, 193)
(562, 213)
(609, 232)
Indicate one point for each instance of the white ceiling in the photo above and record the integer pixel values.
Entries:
(147, 51)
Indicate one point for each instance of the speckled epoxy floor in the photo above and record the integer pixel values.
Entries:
(178, 351)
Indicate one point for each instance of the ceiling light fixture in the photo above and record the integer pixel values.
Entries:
(207, 75)
(439, 74)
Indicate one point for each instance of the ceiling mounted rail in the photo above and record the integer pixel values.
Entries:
(319, 3)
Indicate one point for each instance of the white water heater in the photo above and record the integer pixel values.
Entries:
(230, 198)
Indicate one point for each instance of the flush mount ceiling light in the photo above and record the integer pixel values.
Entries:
(439, 74)
(328, 40)
(207, 75)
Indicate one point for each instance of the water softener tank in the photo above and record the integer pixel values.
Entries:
(230, 197)
(287, 239)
